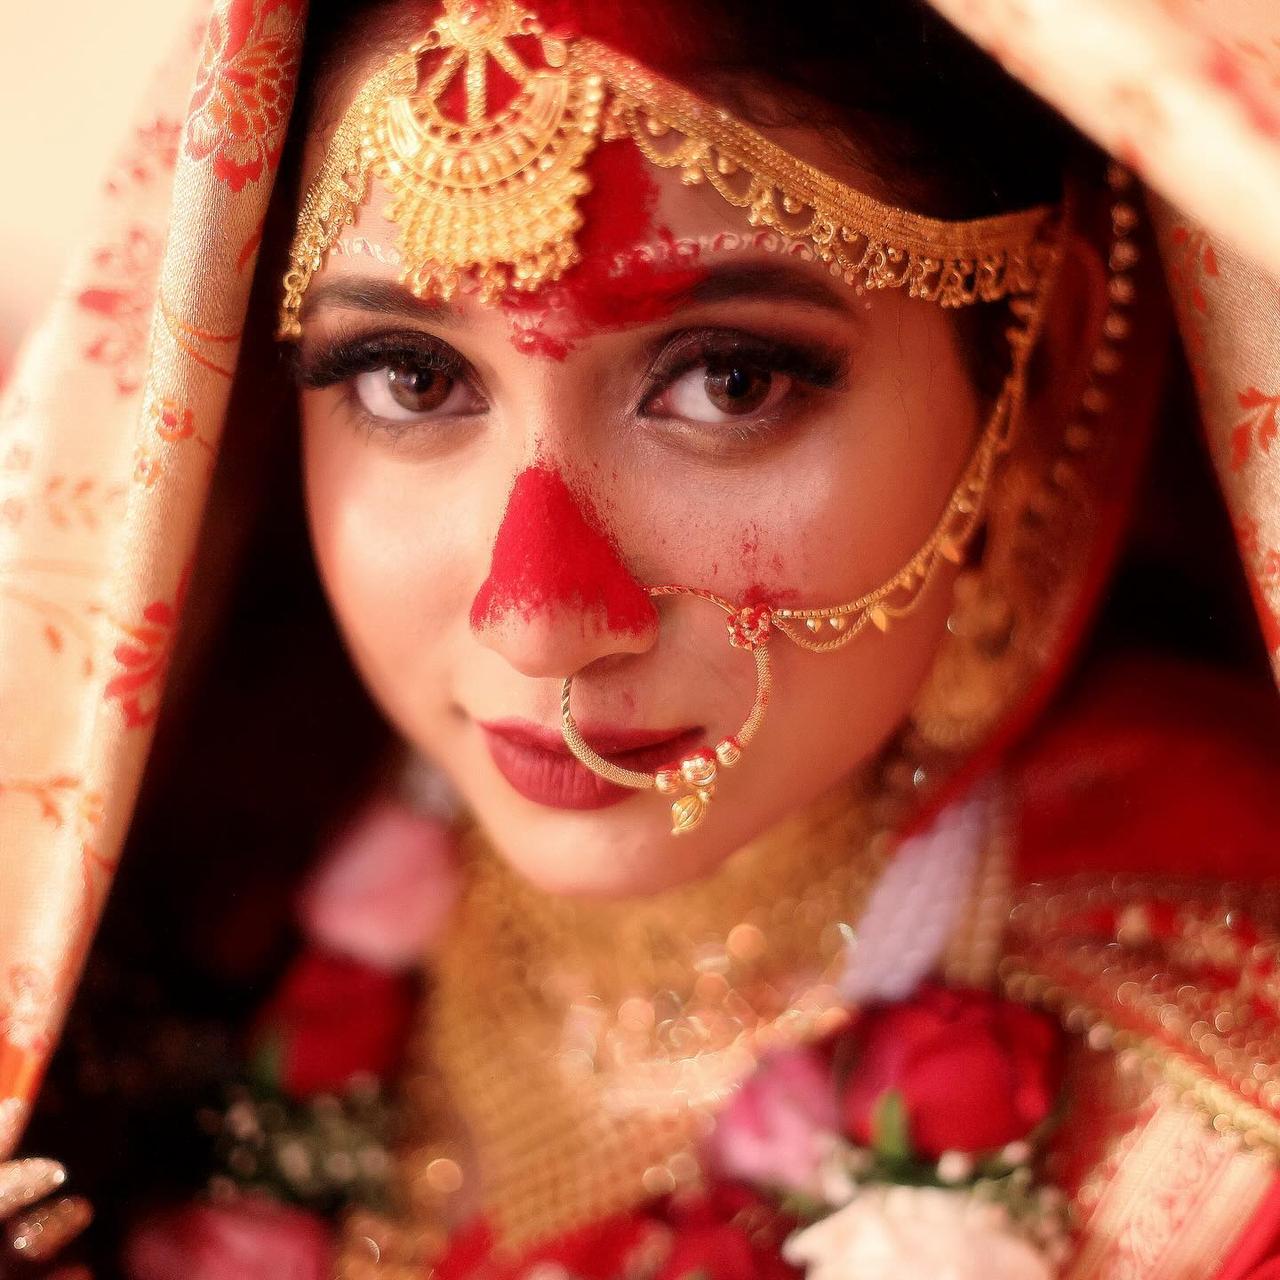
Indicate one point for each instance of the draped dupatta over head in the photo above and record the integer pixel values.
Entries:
(111, 422)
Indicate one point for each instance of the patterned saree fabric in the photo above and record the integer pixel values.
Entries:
(1187, 93)
(111, 420)
(107, 439)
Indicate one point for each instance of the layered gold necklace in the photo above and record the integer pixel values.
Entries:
(572, 1055)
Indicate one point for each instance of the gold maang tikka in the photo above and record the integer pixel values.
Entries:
(486, 195)
(486, 198)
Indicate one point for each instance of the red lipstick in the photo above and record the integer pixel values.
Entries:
(537, 764)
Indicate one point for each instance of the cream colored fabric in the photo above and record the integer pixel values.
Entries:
(107, 437)
(1185, 92)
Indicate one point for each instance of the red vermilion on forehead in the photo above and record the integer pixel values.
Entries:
(593, 297)
(553, 552)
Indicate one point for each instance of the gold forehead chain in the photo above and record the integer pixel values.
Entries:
(486, 195)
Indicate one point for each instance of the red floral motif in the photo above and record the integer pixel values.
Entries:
(83, 500)
(143, 659)
(147, 468)
(1193, 261)
(1226, 69)
(153, 150)
(123, 299)
(240, 104)
(173, 421)
(973, 1072)
(1262, 569)
(1257, 428)
(58, 797)
(749, 627)
(65, 613)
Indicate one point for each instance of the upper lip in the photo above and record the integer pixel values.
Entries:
(606, 739)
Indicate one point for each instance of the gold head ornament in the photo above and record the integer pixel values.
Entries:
(480, 133)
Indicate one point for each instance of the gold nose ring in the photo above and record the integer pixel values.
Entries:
(693, 780)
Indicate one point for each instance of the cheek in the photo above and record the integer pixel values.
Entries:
(384, 554)
(842, 504)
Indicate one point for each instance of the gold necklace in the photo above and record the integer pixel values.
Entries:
(584, 1048)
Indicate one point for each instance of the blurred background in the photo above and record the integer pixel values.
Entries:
(71, 76)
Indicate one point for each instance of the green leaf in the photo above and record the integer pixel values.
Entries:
(891, 1128)
(266, 1063)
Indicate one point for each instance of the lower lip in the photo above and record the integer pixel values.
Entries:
(561, 781)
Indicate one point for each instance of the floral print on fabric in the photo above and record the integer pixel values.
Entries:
(239, 108)
(142, 659)
(121, 297)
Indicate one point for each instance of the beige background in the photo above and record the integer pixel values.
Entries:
(71, 74)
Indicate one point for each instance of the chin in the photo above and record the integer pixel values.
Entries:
(625, 851)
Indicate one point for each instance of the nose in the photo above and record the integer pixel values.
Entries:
(558, 596)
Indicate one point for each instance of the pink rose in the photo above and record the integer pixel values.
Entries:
(250, 1239)
(780, 1125)
(385, 890)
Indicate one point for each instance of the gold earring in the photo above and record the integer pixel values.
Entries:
(966, 691)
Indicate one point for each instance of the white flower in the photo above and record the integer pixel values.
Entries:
(916, 1233)
(955, 1166)
(1016, 1153)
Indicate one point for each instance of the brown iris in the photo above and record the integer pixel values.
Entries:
(418, 390)
(737, 389)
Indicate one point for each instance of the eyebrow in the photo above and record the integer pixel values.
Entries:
(769, 281)
(366, 293)
(731, 282)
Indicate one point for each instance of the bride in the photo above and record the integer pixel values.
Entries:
(641, 788)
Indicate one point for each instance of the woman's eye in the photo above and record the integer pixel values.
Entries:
(401, 393)
(722, 392)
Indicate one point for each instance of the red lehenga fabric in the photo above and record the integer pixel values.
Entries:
(1152, 794)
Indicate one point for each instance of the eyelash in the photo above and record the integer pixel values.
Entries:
(813, 366)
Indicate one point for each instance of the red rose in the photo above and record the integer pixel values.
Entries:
(335, 1018)
(725, 1233)
(974, 1072)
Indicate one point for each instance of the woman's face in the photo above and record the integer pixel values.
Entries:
(490, 487)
